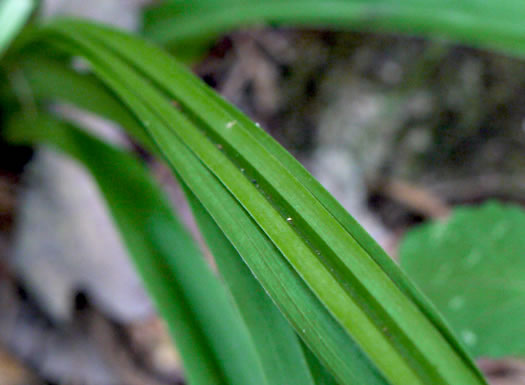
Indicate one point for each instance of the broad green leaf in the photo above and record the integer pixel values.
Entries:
(334, 285)
(13, 16)
(472, 267)
(214, 343)
(492, 24)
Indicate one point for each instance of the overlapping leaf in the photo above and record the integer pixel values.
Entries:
(276, 344)
(196, 306)
(280, 350)
(348, 302)
(52, 79)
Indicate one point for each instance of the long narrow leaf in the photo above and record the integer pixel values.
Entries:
(405, 344)
(320, 374)
(344, 218)
(51, 79)
(494, 24)
(275, 342)
(325, 335)
(214, 343)
(279, 348)
(13, 15)
(210, 116)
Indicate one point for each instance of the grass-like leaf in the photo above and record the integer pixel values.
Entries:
(350, 304)
(276, 344)
(319, 373)
(280, 350)
(494, 24)
(214, 343)
(51, 79)
(13, 15)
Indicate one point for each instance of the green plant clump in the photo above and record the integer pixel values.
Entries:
(305, 294)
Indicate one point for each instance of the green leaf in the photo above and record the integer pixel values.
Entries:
(335, 345)
(320, 374)
(254, 244)
(495, 24)
(213, 341)
(51, 79)
(330, 281)
(277, 344)
(13, 16)
(471, 266)
(282, 358)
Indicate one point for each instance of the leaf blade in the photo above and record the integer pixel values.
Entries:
(360, 312)
(354, 372)
(211, 337)
(13, 15)
(493, 25)
(278, 346)
(216, 120)
(474, 273)
(282, 358)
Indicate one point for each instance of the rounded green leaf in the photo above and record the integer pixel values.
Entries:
(472, 266)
